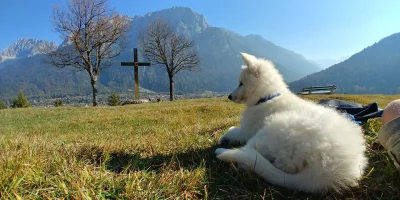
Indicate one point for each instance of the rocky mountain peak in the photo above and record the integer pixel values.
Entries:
(185, 19)
(25, 47)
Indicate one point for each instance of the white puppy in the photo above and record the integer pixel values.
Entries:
(289, 141)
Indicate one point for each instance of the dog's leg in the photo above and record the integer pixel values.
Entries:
(233, 135)
(219, 151)
(235, 157)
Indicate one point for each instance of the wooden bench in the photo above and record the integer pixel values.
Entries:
(329, 89)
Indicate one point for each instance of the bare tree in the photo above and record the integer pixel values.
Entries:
(93, 34)
(161, 45)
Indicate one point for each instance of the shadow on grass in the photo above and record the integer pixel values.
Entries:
(224, 180)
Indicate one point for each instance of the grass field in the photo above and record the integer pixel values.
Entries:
(149, 151)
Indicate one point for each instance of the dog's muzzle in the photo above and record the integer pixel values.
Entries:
(230, 97)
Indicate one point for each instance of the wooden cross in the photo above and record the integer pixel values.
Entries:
(136, 65)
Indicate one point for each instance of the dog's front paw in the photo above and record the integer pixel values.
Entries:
(220, 150)
(224, 142)
(233, 128)
(231, 136)
(239, 166)
(227, 142)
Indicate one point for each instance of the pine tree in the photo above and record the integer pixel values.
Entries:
(21, 101)
(3, 105)
(58, 103)
(114, 100)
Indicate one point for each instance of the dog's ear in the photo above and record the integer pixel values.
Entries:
(248, 59)
(250, 62)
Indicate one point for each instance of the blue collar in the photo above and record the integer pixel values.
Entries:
(267, 98)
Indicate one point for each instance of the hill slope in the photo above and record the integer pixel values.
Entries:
(373, 70)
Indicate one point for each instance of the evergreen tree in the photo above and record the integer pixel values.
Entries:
(58, 103)
(114, 100)
(21, 101)
(3, 105)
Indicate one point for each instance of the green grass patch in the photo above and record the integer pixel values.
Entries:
(150, 151)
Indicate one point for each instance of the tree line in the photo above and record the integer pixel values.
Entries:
(22, 102)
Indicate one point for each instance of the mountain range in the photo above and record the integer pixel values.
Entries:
(374, 70)
(25, 47)
(328, 62)
(219, 50)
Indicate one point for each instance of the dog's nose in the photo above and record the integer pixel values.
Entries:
(230, 97)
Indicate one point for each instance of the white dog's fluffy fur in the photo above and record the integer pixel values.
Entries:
(289, 141)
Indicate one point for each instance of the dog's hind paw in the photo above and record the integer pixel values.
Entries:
(220, 150)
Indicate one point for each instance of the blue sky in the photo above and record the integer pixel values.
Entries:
(315, 28)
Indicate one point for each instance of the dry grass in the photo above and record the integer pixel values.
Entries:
(148, 151)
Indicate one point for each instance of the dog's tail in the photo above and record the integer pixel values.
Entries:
(303, 181)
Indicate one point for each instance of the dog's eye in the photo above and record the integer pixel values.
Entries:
(240, 84)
